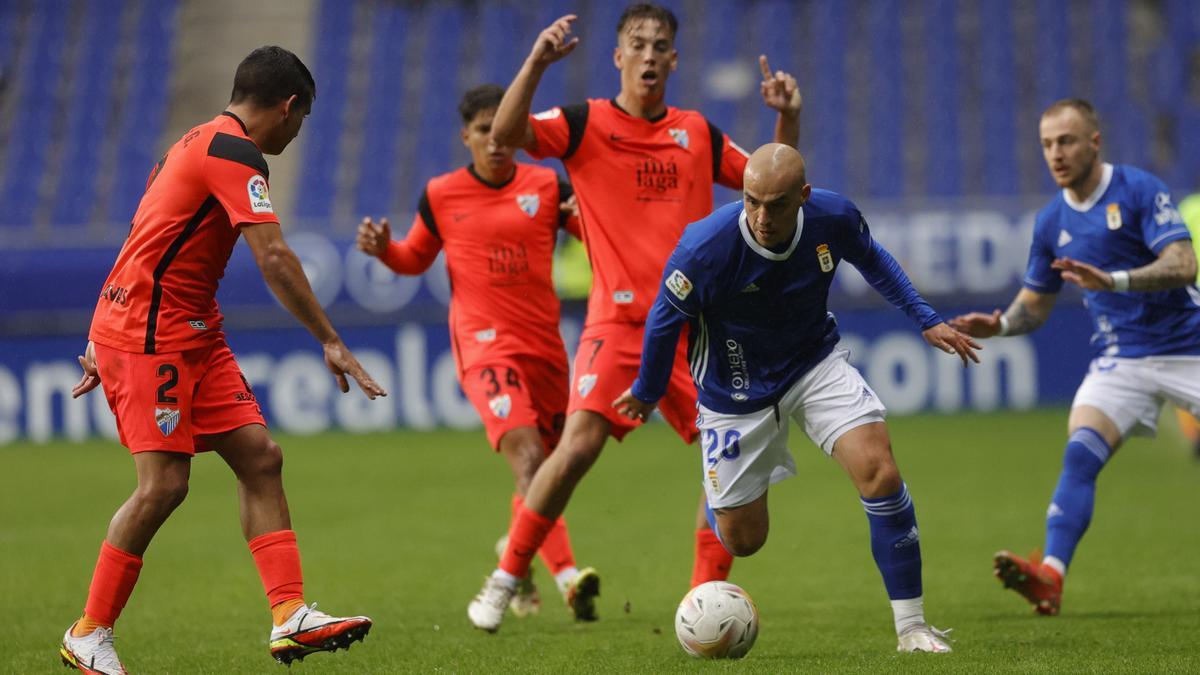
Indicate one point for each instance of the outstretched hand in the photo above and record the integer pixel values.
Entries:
(552, 43)
(1088, 277)
(91, 376)
(373, 239)
(629, 406)
(951, 341)
(779, 89)
(978, 324)
(341, 363)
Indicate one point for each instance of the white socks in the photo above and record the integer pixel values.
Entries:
(1055, 564)
(505, 578)
(908, 613)
(564, 578)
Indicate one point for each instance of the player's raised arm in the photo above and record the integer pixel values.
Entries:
(511, 125)
(1028, 311)
(413, 255)
(780, 92)
(282, 271)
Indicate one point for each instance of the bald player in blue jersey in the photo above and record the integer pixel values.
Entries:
(752, 283)
(1114, 232)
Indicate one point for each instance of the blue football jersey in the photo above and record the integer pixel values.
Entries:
(758, 317)
(1125, 224)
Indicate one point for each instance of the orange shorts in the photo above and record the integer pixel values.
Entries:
(518, 391)
(606, 364)
(171, 401)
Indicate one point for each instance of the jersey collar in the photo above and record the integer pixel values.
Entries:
(1106, 173)
(495, 186)
(239, 121)
(653, 120)
(763, 250)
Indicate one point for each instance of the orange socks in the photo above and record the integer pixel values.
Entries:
(112, 582)
(712, 560)
(556, 549)
(278, 560)
(528, 533)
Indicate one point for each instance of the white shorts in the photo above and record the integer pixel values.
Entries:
(1130, 392)
(741, 455)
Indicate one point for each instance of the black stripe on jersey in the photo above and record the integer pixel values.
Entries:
(577, 117)
(717, 140)
(426, 212)
(564, 193)
(238, 120)
(240, 150)
(173, 250)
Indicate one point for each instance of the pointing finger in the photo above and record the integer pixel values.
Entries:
(764, 67)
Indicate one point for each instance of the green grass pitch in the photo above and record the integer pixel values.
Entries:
(401, 526)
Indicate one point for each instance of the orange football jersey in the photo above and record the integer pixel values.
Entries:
(638, 183)
(499, 242)
(161, 294)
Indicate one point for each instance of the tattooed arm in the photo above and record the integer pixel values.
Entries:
(1174, 268)
(1028, 311)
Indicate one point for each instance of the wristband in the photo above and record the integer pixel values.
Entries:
(1120, 281)
(1003, 326)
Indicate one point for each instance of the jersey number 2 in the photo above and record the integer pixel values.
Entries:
(164, 390)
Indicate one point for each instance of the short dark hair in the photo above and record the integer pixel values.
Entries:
(1080, 106)
(645, 10)
(272, 74)
(478, 99)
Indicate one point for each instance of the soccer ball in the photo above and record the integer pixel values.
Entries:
(716, 620)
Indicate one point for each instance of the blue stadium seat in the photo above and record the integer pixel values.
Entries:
(32, 129)
(437, 138)
(998, 109)
(780, 46)
(88, 119)
(332, 30)
(144, 113)
(385, 104)
(885, 143)
(943, 76)
(826, 112)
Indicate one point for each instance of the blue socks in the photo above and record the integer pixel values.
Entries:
(1071, 507)
(895, 543)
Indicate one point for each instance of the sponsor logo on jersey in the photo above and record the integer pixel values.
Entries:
(529, 204)
(166, 419)
(485, 335)
(739, 374)
(679, 284)
(1112, 215)
(115, 294)
(680, 136)
(1064, 238)
(825, 258)
(551, 114)
(751, 288)
(260, 199)
(586, 384)
(501, 405)
(623, 297)
(1165, 212)
(655, 177)
(197, 324)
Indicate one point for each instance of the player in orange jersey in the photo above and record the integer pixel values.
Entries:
(642, 170)
(498, 222)
(157, 347)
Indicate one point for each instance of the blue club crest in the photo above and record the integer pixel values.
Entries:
(166, 419)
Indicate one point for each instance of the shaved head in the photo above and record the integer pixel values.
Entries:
(774, 189)
(775, 168)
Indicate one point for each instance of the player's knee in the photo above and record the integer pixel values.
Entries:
(576, 458)
(881, 478)
(744, 541)
(164, 493)
(268, 462)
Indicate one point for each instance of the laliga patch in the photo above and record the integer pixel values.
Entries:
(680, 285)
(501, 406)
(529, 204)
(551, 114)
(586, 384)
(1112, 215)
(260, 199)
(680, 136)
(167, 420)
(623, 297)
(825, 258)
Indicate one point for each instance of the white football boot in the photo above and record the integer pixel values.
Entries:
(92, 653)
(308, 631)
(486, 610)
(925, 638)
